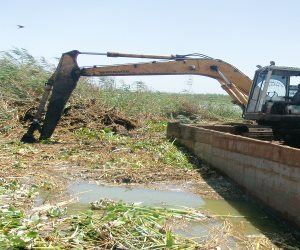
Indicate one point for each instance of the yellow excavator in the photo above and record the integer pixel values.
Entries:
(268, 99)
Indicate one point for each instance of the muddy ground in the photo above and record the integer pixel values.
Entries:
(93, 144)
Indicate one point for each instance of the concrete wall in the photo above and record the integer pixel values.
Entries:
(269, 172)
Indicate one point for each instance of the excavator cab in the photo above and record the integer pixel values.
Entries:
(271, 99)
(272, 92)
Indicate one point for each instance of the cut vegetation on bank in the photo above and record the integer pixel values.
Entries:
(111, 136)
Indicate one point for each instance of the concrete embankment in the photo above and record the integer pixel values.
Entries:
(269, 172)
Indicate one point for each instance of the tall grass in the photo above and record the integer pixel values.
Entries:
(149, 104)
(21, 75)
(21, 80)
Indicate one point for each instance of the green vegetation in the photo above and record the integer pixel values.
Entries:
(200, 107)
(15, 231)
(158, 150)
(128, 226)
(21, 81)
(21, 75)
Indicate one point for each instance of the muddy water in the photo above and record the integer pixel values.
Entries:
(88, 192)
(244, 214)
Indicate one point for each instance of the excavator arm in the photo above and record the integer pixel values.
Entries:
(64, 80)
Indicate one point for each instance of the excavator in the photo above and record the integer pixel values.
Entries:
(268, 99)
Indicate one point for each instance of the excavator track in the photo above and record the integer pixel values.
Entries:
(263, 133)
(252, 131)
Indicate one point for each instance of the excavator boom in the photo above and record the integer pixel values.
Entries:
(204, 67)
(64, 80)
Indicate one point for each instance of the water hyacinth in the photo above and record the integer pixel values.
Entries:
(132, 226)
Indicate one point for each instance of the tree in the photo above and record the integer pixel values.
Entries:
(106, 82)
(140, 86)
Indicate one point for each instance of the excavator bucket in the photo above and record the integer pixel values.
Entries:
(63, 81)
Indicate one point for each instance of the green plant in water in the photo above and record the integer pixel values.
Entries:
(16, 231)
(131, 226)
(169, 238)
(57, 212)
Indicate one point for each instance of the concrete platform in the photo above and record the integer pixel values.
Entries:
(268, 171)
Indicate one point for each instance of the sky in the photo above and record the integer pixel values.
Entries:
(242, 33)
